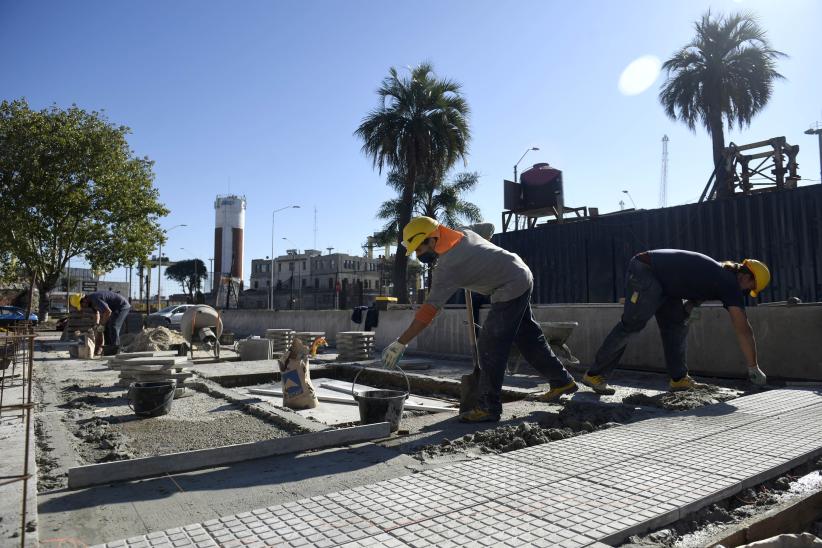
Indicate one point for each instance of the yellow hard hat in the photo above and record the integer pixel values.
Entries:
(761, 274)
(74, 300)
(416, 231)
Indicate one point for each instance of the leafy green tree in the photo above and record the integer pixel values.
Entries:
(725, 75)
(190, 274)
(420, 125)
(71, 186)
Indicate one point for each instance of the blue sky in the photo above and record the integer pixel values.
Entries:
(262, 98)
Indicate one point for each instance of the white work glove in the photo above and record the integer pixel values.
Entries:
(392, 354)
(100, 328)
(757, 376)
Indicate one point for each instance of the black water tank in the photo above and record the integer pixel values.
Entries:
(542, 186)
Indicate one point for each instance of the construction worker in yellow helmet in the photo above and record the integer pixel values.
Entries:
(668, 283)
(465, 259)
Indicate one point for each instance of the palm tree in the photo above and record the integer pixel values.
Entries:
(421, 123)
(725, 75)
(433, 198)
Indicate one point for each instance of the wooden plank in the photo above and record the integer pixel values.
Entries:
(352, 401)
(124, 470)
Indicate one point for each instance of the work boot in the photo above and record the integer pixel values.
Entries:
(597, 382)
(478, 415)
(553, 394)
(685, 383)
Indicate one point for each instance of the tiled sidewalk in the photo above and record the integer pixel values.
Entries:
(586, 491)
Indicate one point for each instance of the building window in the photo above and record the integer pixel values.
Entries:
(280, 267)
(316, 283)
(330, 283)
(291, 267)
(304, 283)
(303, 265)
(255, 285)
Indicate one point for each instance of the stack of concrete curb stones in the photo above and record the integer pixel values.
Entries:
(254, 349)
(355, 345)
(151, 367)
(308, 337)
(281, 339)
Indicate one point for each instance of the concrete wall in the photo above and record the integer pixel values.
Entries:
(787, 337)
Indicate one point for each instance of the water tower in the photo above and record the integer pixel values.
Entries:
(228, 237)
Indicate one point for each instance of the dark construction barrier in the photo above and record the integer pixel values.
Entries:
(584, 261)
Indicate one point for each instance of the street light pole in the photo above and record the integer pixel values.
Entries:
(818, 133)
(299, 276)
(628, 194)
(271, 286)
(160, 266)
(520, 160)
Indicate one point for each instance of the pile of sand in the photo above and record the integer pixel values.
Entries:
(153, 338)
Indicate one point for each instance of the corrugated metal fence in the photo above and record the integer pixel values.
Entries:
(578, 262)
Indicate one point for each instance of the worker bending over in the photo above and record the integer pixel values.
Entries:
(466, 260)
(111, 311)
(656, 283)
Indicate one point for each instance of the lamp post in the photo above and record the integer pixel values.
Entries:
(299, 277)
(818, 133)
(160, 266)
(271, 287)
(628, 194)
(520, 160)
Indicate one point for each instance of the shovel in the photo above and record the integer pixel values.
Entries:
(469, 384)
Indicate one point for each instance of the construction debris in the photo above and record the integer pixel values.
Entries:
(146, 367)
(151, 339)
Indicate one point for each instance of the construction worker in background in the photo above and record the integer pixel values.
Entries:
(466, 260)
(656, 283)
(112, 309)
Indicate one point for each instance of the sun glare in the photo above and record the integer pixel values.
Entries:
(639, 75)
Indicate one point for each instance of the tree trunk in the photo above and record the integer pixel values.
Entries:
(400, 259)
(723, 179)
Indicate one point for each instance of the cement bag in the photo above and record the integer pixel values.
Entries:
(298, 392)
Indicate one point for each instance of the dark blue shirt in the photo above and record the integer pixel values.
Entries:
(113, 300)
(690, 275)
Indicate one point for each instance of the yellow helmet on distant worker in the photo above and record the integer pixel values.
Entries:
(74, 300)
(761, 274)
(416, 231)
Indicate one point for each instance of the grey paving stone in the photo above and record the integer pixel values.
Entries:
(488, 522)
(494, 476)
(568, 457)
(774, 402)
(632, 442)
(401, 501)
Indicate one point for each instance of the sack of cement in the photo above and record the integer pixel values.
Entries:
(298, 392)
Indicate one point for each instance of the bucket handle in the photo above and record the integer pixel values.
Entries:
(407, 382)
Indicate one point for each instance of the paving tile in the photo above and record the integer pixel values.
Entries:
(694, 425)
(595, 510)
(383, 540)
(629, 441)
(401, 501)
(669, 487)
(774, 402)
(568, 457)
(488, 524)
(494, 476)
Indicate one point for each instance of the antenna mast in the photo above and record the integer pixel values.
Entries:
(663, 183)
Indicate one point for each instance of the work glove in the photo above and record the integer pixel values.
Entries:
(392, 354)
(757, 376)
(99, 328)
